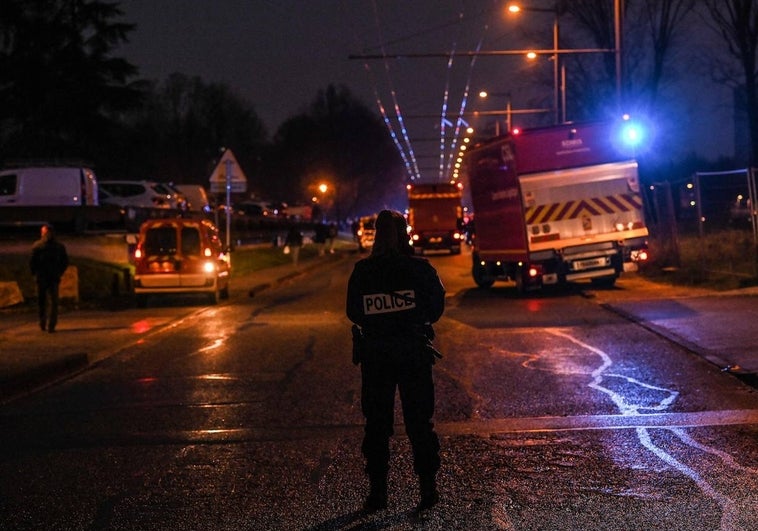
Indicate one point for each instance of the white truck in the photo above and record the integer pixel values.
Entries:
(555, 205)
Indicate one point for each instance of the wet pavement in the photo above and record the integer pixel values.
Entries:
(720, 327)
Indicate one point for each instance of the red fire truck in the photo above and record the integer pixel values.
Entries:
(435, 215)
(556, 205)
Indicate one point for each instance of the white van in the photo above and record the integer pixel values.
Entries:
(48, 186)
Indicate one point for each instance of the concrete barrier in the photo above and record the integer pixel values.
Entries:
(10, 294)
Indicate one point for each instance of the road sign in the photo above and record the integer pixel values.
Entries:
(234, 177)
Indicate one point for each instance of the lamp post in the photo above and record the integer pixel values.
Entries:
(515, 8)
(618, 27)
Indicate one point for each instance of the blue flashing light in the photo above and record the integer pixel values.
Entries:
(632, 133)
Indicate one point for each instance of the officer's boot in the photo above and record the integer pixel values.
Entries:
(429, 494)
(377, 496)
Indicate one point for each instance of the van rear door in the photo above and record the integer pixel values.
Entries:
(8, 188)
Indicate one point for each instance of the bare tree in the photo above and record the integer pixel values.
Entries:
(737, 22)
(650, 31)
(664, 22)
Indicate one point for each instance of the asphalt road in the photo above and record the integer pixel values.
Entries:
(556, 411)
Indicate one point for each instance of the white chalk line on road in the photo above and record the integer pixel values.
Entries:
(730, 518)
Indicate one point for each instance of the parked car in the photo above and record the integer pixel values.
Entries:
(140, 194)
(180, 255)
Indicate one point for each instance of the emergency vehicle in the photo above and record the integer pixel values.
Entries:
(435, 216)
(556, 205)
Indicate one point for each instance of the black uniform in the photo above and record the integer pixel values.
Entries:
(394, 298)
(48, 262)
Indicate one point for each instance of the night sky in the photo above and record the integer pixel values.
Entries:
(278, 53)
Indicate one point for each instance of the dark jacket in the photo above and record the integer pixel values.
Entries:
(49, 259)
(394, 295)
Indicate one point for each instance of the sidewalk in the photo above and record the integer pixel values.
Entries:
(721, 327)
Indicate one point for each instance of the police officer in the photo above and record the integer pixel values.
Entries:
(394, 298)
(48, 262)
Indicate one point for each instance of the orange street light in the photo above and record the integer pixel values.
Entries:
(515, 8)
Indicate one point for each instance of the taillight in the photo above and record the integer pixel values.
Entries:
(640, 255)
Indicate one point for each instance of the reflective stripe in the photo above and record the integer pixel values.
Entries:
(574, 209)
(396, 301)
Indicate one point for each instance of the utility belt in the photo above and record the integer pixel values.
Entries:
(417, 339)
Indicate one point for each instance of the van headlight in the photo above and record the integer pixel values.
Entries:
(209, 267)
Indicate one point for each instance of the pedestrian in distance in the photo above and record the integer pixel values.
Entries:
(294, 242)
(320, 235)
(332, 236)
(394, 298)
(48, 262)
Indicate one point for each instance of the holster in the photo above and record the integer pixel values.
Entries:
(358, 344)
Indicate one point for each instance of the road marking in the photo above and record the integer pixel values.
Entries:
(600, 422)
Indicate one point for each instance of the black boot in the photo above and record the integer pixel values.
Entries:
(429, 494)
(377, 496)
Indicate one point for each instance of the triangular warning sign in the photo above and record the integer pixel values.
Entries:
(237, 178)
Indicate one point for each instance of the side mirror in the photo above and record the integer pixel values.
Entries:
(131, 239)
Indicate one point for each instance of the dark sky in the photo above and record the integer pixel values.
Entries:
(278, 53)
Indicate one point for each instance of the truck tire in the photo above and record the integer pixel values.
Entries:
(481, 278)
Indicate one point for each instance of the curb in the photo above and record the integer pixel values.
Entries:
(41, 375)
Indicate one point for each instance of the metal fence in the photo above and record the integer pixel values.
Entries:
(713, 213)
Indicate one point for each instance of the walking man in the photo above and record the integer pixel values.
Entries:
(394, 298)
(48, 263)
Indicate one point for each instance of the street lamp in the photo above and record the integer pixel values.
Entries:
(515, 8)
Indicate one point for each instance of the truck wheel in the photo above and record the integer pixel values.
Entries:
(520, 285)
(482, 279)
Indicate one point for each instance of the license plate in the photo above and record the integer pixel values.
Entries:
(581, 265)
